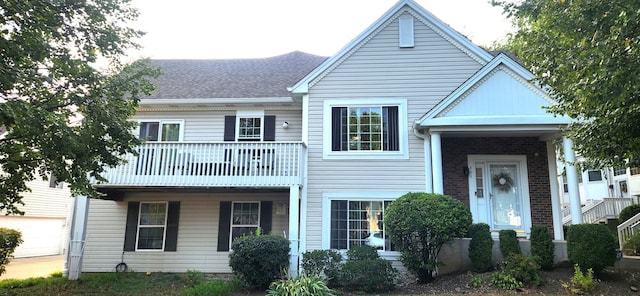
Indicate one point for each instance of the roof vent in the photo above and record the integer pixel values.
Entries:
(405, 31)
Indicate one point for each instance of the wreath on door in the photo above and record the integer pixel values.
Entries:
(503, 181)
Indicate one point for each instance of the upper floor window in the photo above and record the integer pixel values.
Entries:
(362, 128)
(249, 128)
(53, 182)
(161, 131)
(617, 171)
(594, 175)
(249, 125)
(635, 171)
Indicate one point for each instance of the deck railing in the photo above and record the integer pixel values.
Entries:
(222, 164)
(628, 228)
(607, 208)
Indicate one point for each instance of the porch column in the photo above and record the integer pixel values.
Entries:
(428, 171)
(294, 219)
(556, 207)
(572, 181)
(77, 238)
(436, 163)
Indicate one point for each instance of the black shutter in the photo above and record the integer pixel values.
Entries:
(266, 211)
(171, 241)
(224, 226)
(131, 229)
(229, 128)
(269, 127)
(393, 131)
(337, 128)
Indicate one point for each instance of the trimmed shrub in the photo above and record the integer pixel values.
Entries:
(322, 263)
(419, 224)
(259, 259)
(591, 246)
(523, 269)
(366, 271)
(509, 243)
(632, 245)
(628, 212)
(480, 247)
(302, 286)
(10, 239)
(542, 248)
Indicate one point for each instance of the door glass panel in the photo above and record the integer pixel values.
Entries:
(506, 205)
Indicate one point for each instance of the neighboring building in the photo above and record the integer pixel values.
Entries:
(315, 148)
(44, 225)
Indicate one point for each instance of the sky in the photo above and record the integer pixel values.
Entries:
(224, 29)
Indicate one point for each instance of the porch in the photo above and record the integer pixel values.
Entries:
(210, 164)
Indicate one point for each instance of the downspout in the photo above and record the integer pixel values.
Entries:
(428, 174)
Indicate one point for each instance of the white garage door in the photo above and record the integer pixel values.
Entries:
(41, 236)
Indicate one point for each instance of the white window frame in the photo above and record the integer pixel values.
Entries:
(403, 151)
(257, 225)
(161, 122)
(164, 233)
(249, 114)
(328, 197)
(589, 176)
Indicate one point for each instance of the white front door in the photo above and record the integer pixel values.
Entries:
(499, 192)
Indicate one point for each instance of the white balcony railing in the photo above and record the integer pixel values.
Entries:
(607, 208)
(628, 228)
(221, 164)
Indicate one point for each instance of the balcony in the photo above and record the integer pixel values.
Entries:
(219, 164)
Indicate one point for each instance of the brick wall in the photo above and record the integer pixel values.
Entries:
(456, 184)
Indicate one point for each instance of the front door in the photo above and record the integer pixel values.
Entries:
(499, 194)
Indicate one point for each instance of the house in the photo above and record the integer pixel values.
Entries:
(44, 225)
(315, 148)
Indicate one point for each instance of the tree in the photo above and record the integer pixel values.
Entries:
(62, 115)
(587, 54)
(419, 224)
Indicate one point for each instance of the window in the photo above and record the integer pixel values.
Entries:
(161, 131)
(635, 171)
(151, 226)
(594, 175)
(249, 128)
(356, 223)
(245, 218)
(363, 129)
(617, 171)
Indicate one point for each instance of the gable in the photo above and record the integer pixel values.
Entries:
(499, 94)
(388, 30)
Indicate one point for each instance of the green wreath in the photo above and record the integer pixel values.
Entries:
(503, 181)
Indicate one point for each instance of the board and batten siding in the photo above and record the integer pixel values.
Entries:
(197, 233)
(208, 126)
(423, 75)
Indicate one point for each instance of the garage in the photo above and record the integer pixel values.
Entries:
(41, 236)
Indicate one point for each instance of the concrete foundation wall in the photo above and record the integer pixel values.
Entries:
(455, 256)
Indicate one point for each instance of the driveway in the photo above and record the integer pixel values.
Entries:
(22, 268)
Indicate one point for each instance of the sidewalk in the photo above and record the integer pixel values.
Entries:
(22, 268)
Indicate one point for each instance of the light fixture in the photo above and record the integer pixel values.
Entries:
(285, 125)
(465, 171)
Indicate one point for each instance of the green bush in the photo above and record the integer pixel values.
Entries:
(542, 248)
(10, 239)
(213, 288)
(480, 247)
(322, 263)
(508, 243)
(628, 212)
(194, 278)
(632, 244)
(523, 269)
(302, 286)
(580, 283)
(505, 281)
(591, 246)
(259, 259)
(366, 271)
(419, 224)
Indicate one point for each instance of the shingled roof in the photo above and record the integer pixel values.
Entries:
(233, 78)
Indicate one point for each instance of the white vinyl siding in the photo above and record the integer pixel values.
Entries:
(197, 233)
(208, 126)
(423, 75)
